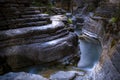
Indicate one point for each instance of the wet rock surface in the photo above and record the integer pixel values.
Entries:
(109, 68)
(21, 76)
(58, 42)
(93, 28)
(27, 37)
(66, 75)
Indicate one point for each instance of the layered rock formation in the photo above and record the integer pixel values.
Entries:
(27, 37)
(117, 2)
(107, 67)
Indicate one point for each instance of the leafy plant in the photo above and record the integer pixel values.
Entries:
(113, 20)
(116, 14)
(69, 21)
(113, 43)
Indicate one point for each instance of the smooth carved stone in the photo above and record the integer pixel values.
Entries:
(43, 52)
(24, 41)
(108, 67)
(16, 15)
(20, 25)
(29, 31)
(36, 45)
(66, 75)
(21, 76)
(93, 28)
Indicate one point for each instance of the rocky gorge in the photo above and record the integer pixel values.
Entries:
(29, 36)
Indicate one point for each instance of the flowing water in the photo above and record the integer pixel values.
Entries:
(91, 50)
(47, 70)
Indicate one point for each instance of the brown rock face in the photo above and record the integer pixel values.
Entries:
(27, 38)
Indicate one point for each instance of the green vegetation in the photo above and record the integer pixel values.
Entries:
(116, 15)
(41, 3)
(69, 21)
(113, 43)
(113, 20)
(90, 8)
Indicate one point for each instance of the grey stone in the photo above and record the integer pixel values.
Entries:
(65, 75)
(107, 68)
(106, 10)
(114, 1)
(42, 44)
(21, 76)
(93, 28)
(24, 41)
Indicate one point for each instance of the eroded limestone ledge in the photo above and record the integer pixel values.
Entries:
(27, 36)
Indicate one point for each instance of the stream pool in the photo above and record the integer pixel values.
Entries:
(90, 52)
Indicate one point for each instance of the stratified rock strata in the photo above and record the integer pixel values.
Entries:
(27, 37)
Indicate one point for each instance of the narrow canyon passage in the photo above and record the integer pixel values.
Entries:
(59, 39)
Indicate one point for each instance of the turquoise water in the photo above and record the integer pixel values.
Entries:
(91, 50)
